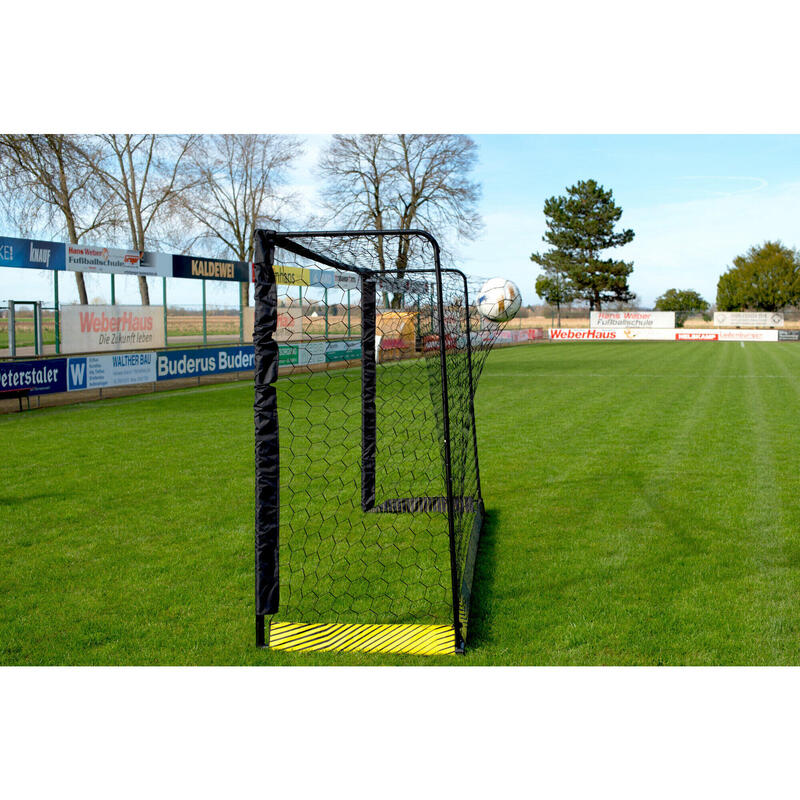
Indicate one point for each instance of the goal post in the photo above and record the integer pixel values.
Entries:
(368, 498)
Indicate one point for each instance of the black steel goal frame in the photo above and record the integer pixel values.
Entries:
(267, 473)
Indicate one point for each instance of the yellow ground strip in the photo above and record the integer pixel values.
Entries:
(427, 640)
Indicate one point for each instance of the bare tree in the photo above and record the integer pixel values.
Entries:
(238, 185)
(403, 181)
(145, 173)
(49, 178)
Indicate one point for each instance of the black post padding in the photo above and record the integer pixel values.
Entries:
(368, 417)
(266, 427)
(261, 638)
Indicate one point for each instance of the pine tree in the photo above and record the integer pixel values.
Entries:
(580, 226)
(554, 286)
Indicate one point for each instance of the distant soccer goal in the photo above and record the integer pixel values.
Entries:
(368, 494)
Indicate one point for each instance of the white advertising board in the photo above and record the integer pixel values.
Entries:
(655, 335)
(346, 280)
(632, 319)
(89, 329)
(749, 319)
(89, 258)
(123, 369)
(391, 283)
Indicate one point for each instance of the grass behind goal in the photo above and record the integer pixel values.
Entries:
(642, 508)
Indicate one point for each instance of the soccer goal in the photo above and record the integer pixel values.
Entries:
(368, 494)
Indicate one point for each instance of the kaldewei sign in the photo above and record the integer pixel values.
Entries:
(748, 319)
(89, 329)
(88, 258)
(632, 319)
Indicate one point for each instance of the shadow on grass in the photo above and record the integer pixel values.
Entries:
(20, 499)
(483, 583)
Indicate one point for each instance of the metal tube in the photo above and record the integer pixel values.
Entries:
(12, 333)
(57, 313)
(164, 304)
(241, 315)
(37, 328)
(113, 293)
(205, 327)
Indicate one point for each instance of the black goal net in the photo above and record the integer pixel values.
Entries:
(368, 496)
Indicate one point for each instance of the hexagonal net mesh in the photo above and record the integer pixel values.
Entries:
(368, 500)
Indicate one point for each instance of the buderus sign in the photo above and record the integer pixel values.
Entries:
(173, 364)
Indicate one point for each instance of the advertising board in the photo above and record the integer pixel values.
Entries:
(747, 336)
(171, 364)
(632, 319)
(344, 280)
(213, 269)
(40, 377)
(344, 350)
(748, 319)
(289, 276)
(395, 285)
(98, 372)
(288, 355)
(91, 258)
(88, 329)
(31, 254)
(663, 335)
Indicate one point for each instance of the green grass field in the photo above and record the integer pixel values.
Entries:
(642, 500)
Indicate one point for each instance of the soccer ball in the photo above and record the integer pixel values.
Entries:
(499, 300)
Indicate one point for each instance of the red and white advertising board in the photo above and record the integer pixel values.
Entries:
(661, 335)
(89, 258)
(90, 329)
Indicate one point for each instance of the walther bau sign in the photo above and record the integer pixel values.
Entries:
(632, 319)
(90, 329)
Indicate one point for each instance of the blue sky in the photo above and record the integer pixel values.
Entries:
(693, 201)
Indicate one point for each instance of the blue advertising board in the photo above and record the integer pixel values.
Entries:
(41, 377)
(79, 373)
(31, 254)
(173, 364)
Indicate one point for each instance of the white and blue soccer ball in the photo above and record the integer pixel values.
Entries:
(499, 300)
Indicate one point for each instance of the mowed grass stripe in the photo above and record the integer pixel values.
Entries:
(641, 499)
(584, 548)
